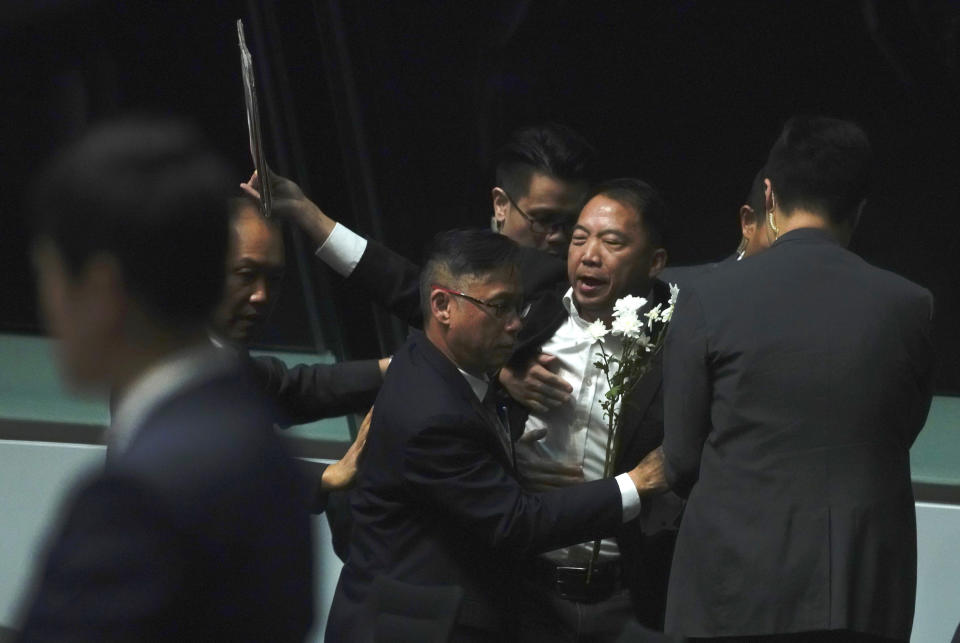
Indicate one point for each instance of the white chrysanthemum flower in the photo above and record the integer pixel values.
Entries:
(627, 325)
(597, 330)
(674, 293)
(653, 314)
(667, 314)
(628, 305)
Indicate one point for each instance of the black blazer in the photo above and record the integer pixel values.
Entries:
(197, 531)
(646, 543)
(436, 501)
(795, 382)
(311, 392)
(683, 275)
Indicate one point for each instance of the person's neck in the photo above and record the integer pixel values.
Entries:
(435, 336)
(798, 219)
(134, 358)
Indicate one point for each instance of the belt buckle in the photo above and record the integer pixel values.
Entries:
(571, 583)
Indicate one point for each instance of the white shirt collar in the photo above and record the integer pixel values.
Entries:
(478, 385)
(159, 383)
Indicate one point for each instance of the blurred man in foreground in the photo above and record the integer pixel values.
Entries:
(197, 528)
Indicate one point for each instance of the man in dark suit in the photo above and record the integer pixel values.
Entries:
(437, 501)
(255, 266)
(197, 528)
(619, 251)
(795, 382)
(303, 393)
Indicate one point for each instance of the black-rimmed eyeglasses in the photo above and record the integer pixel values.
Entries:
(499, 310)
(547, 224)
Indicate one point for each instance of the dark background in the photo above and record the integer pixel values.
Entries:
(388, 115)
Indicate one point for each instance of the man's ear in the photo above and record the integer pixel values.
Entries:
(501, 205)
(658, 261)
(440, 303)
(103, 286)
(769, 199)
(749, 222)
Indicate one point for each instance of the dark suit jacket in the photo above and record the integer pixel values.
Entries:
(436, 502)
(197, 531)
(795, 382)
(683, 275)
(646, 543)
(311, 392)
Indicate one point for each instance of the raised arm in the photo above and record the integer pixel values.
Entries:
(388, 278)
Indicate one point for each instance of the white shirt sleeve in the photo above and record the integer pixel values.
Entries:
(342, 250)
(629, 496)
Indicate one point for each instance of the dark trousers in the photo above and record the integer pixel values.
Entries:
(545, 617)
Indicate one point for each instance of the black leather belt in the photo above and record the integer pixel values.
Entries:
(569, 580)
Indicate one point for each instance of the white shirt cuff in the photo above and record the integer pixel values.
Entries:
(629, 497)
(342, 250)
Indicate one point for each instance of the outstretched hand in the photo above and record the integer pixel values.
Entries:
(536, 385)
(341, 475)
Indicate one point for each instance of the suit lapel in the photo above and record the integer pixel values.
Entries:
(449, 373)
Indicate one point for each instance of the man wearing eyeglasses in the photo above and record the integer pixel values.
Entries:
(621, 252)
(542, 176)
(543, 173)
(437, 500)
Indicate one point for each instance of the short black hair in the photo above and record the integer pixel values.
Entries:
(644, 199)
(457, 254)
(822, 165)
(152, 195)
(549, 148)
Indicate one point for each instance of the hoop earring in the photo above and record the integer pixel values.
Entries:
(742, 248)
(773, 225)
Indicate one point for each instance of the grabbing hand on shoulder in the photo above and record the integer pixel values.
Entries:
(341, 475)
(536, 386)
(289, 202)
